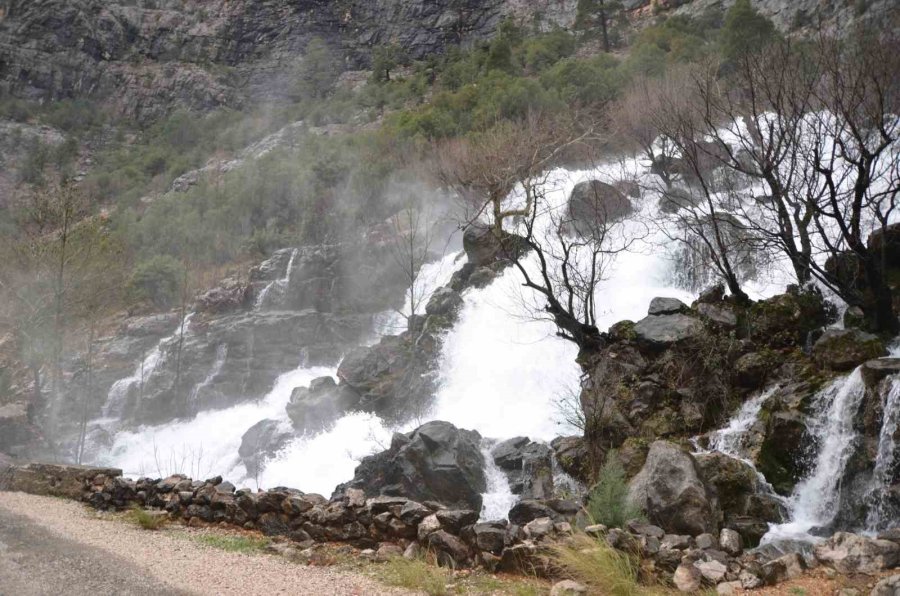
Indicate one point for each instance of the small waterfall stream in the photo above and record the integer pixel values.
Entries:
(815, 499)
(879, 514)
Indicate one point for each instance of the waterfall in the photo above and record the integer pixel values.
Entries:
(732, 439)
(879, 516)
(117, 397)
(498, 498)
(280, 284)
(816, 499)
(208, 443)
(218, 363)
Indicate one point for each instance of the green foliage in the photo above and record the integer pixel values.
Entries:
(318, 71)
(384, 60)
(608, 502)
(234, 544)
(416, 574)
(156, 280)
(744, 31)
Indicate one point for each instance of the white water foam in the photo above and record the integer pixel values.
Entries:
(498, 499)
(208, 443)
(732, 440)
(816, 498)
(878, 516)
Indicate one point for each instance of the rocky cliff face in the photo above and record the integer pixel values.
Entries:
(149, 56)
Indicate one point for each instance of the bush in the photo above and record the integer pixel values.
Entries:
(608, 502)
(745, 31)
(156, 280)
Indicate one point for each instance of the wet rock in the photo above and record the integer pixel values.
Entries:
(594, 204)
(572, 456)
(314, 408)
(874, 371)
(436, 461)
(851, 553)
(489, 536)
(484, 247)
(844, 349)
(671, 492)
(528, 466)
(444, 302)
(453, 520)
(529, 510)
(450, 550)
(666, 306)
(427, 526)
(261, 441)
(752, 370)
(663, 330)
(718, 315)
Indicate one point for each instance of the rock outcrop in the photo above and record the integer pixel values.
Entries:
(670, 490)
(435, 462)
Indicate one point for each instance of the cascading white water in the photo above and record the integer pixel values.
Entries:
(118, 394)
(208, 443)
(877, 518)
(732, 440)
(815, 499)
(498, 499)
(279, 285)
(218, 363)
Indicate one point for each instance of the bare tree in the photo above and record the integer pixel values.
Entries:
(411, 240)
(561, 262)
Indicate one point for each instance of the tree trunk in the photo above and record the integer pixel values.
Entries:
(604, 27)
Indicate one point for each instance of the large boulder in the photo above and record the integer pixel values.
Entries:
(484, 246)
(435, 462)
(528, 467)
(664, 330)
(315, 407)
(851, 553)
(262, 441)
(666, 306)
(670, 490)
(845, 349)
(594, 204)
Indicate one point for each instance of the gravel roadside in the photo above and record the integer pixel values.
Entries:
(47, 542)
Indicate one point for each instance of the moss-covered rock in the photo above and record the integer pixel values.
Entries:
(845, 349)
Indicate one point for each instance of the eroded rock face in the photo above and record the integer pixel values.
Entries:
(663, 330)
(314, 408)
(207, 55)
(435, 462)
(261, 441)
(528, 467)
(670, 490)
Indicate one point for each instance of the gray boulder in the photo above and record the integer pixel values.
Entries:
(443, 302)
(845, 349)
(315, 407)
(666, 306)
(528, 466)
(670, 490)
(664, 330)
(851, 553)
(594, 203)
(435, 462)
(261, 441)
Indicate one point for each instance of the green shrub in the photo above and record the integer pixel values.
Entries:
(234, 544)
(156, 280)
(744, 31)
(608, 502)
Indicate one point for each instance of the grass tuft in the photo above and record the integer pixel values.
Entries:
(146, 519)
(598, 566)
(234, 544)
(416, 574)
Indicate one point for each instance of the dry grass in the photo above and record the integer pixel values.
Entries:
(234, 544)
(148, 520)
(599, 566)
(420, 575)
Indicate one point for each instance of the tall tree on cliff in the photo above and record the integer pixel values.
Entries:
(599, 14)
